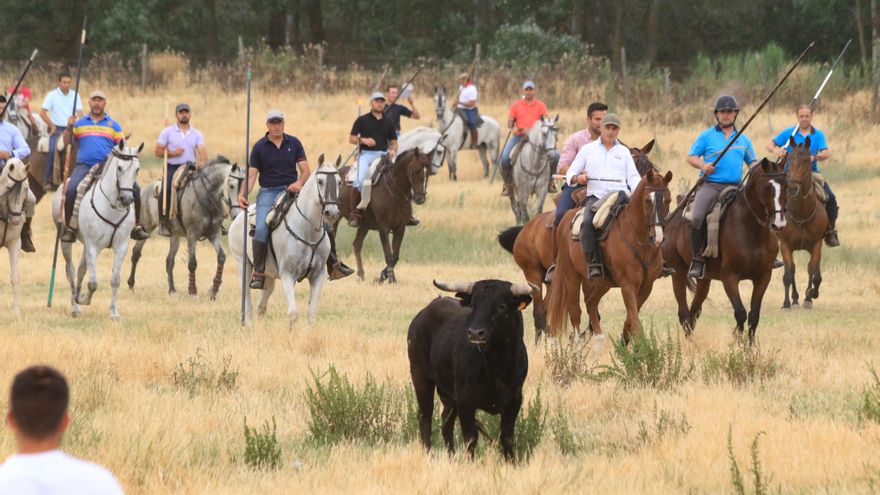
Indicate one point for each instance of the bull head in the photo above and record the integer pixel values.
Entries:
(494, 304)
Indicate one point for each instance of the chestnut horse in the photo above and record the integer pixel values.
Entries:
(534, 245)
(747, 247)
(805, 226)
(632, 259)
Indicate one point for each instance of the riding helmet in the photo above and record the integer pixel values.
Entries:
(726, 102)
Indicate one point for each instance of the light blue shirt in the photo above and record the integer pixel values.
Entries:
(729, 170)
(817, 141)
(11, 140)
(173, 138)
(60, 105)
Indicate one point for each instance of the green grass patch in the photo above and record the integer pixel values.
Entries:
(740, 364)
(869, 405)
(649, 362)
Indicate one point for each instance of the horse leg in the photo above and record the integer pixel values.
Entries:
(173, 246)
(451, 158)
(788, 275)
(268, 289)
(758, 289)
(66, 251)
(482, 150)
(679, 290)
(389, 257)
(396, 241)
(731, 288)
(192, 263)
(535, 275)
(595, 295)
(91, 255)
(815, 272)
(289, 284)
(14, 252)
(358, 246)
(700, 294)
(135, 258)
(316, 282)
(221, 260)
(116, 278)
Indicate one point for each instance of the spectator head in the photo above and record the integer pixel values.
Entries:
(38, 403)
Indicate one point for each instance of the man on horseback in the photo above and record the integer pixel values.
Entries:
(780, 145)
(467, 102)
(13, 145)
(727, 172)
(185, 146)
(55, 112)
(595, 113)
(274, 161)
(95, 135)
(394, 111)
(375, 136)
(603, 166)
(522, 116)
(23, 103)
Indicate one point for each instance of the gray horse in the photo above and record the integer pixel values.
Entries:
(531, 170)
(453, 129)
(210, 196)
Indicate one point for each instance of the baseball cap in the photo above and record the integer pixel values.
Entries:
(98, 94)
(181, 107)
(463, 75)
(274, 114)
(528, 84)
(611, 119)
(378, 95)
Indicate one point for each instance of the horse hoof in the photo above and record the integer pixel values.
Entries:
(75, 313)
(212, 294)
(786, 308)
(115, 317)
(808, 305)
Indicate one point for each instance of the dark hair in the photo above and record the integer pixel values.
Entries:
(64, 74)
(596, 107)
(38, 401)
(392, 86)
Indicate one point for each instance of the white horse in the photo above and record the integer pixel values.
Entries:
(531, 171)
(456, 137)
(15, 117)
(105, 221)
(299, 246)
(428, 141)
(13, 192)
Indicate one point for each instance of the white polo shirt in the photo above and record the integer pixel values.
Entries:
(55, 473)
(466, 94)
(60, 106)
(601, 163)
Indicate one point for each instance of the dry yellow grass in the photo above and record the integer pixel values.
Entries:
(128, 415)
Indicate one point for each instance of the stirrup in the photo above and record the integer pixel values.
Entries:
(697, 269)
(595, 270)
(257, 280)
(69, 235)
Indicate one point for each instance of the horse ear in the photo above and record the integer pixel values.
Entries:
(555, 120)
(141, 147)
(121, 144)
(338, 160)
(807, 142)
(649, 177)
(321, 159)
(648, 147)
(791, 141)
(668, 177)
(765, 163)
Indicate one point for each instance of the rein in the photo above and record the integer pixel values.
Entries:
(743, 192)
(9, 213)
(119, 190)
(330, 196)
(803, 189)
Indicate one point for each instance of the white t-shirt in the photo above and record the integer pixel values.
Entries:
(599, 163)
(60, 106)
(54, 472)
(466, 94)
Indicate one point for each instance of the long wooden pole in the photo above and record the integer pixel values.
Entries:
(20, 79)
(164, 167)
(247, 172)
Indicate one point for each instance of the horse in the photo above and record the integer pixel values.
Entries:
(300, 249)
(533, 245)
(429, 141)
(33, 137)
(632, 257)
(13, 192)
(209, 197)
(401, 183)
(747, 248)
(531, 170)
(455, 136)
(805, 227)
(105, 221)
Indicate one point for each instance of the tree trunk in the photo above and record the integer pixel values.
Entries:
(578, 19)
(316, 21)
(293, 32)
(212, 40)
(617, 37)
(653, 27)
(276, 30)
(860, 24)
(875, 58)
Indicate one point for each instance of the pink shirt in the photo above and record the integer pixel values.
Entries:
(571, 147)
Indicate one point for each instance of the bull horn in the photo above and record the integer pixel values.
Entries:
(520, 289)
(465, 287)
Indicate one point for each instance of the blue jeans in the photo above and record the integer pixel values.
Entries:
(565, 202)
(364, 160)
(505, 154)
(831, 206)
(169, 178)
(50, 160)
(265, 200)
(471, 117)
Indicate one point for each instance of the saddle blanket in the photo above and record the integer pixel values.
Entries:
(280, 207)
(606, 209)
(819, 182)
(713, 218)
(373, 174)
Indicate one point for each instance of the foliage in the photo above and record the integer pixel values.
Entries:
(560, 427)
(527, 45)
(648, 362)
(568, 362)
(661, 424)
(757, 472)
(741, 364)
(869, 409)
(200, 374)
(261, 449)
(530, 425)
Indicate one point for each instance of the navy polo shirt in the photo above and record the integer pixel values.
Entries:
(277, 166)
(709, 144)
(817, 141)
(394, 112)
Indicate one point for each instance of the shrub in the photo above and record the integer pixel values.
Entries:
(650, 363)
(661, 424)
(566, 440)
(569, 362)
(741, 364)
(529, 429)
(261, 449)
(757, 471)
(527, 45)
(201, 374)
(869, 409)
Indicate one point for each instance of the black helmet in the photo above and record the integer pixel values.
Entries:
(726, 102)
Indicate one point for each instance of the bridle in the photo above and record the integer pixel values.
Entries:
(653, 219)
(8, 213)
(800, 189)
(407, 195)
(329, 196)
(114, 205)
(780, 178)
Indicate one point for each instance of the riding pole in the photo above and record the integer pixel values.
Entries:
(164, 165)
(345, 162)
(405, 85)
(67, 153)
(498, 160)
(742, 129)
(247, 167)
(20, 79)
(824, 82)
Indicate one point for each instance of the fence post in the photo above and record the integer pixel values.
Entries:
(241, 58)
(144, 63)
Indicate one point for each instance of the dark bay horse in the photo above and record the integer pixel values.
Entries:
(747, 248)
(533, 245)
(632, 259)
(404, 181)
(805, 226)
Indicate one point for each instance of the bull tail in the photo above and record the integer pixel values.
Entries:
(508, 237)
(557, 294)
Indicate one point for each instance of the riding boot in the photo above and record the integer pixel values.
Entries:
(831, 239)
(413, 221)
(356, 214)
(551, 186)
(548, 277)
(27, 245)
(165, 227)
(138, 233)
(259, 276)
(590, 247)
(507, 177)
(70, 223)
(698, 262)
(335, 267)
(474, 138)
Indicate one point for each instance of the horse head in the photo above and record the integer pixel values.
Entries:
(800, 168)
(767, 184)
(123, 164)
(328, 184)
(15, 171)
(655, 198)
(549, 131)
(640, 157)
(438, 154)
(418, 169)
(440, 102)
(234, 183)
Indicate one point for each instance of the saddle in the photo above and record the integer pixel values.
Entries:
(517, 148)
(460, 113)
(374, 173)
(606, 210)
(276, 215)
(179, 181)
(713, 219)
(43, 145)
(819, 183)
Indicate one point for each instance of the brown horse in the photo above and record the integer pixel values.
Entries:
(747, 248)
(805, 226)
(534, 245)
(632, 258)
(401, 183)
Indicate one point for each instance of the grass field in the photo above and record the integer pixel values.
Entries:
(161, 398)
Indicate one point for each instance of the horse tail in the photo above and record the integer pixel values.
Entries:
(557, 295)
(508, 237)
(691, 284)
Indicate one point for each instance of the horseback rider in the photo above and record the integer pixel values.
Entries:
(185, 145)
(595, 113)
(13, 145)
(394, 111)
(523, 114)
(819, 151)
(23, 103)
(727, 172)
(603, 166)
(55, 112)
(95, 135)
(274, 160)
(467, 102)
(375, 136)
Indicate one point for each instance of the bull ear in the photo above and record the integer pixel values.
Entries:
(668, 177)
(648, 147)
(465, 299)
(522, 302)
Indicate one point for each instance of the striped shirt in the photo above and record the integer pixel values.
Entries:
(572, 145)
(95, 139)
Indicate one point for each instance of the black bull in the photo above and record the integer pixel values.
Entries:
(470, 350)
